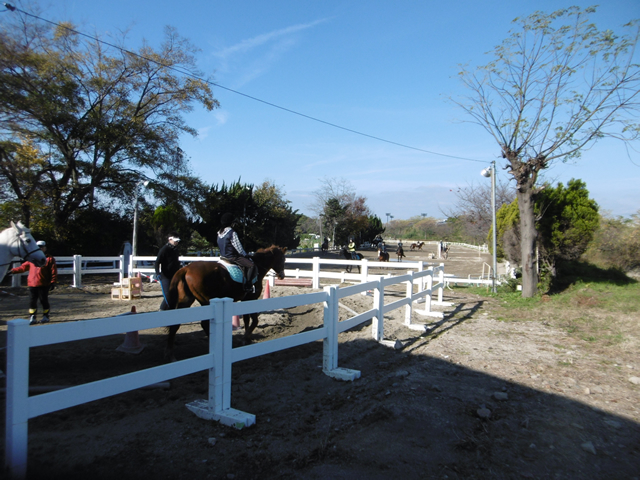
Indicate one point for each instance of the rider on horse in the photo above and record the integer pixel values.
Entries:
(352, 249)
(231, 249)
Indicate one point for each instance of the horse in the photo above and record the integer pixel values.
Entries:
(17, 241)
(400, 253)
(203, 281)
(417, 246)
(347, 256)
(383, 256)
(445, 251)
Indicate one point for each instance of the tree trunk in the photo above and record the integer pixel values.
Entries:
(528, 237)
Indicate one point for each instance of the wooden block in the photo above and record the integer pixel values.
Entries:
(294, 282)
(116, 294)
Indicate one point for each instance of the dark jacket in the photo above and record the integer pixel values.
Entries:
(229, 244)
(168, 261)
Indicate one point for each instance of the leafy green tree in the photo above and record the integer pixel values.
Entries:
(566, 222)
(554, 86)
(263, 215)
(100, 118)
(616, 243)
(278, 219)
(374, 227)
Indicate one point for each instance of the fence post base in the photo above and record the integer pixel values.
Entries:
(345, 374)
(395, 344)
(230, 417)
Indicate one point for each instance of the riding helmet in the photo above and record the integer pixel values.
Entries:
(226, 220)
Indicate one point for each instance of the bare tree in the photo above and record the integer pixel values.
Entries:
(473, 207)
(340, 210)
(552, 89)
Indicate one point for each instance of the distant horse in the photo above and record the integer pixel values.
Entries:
(400, 253)
(347, 256)
(203, 281)
(383, 256)
(445, 251)
(325, 246)
(17, 241)
(417, 246)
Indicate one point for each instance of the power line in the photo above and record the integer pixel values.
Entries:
(288, 110)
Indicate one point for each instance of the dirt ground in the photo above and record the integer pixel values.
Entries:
(473, 398)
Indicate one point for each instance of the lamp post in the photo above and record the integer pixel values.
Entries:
(388, 215)
(491, 172)
(134, 244)
(424, 215)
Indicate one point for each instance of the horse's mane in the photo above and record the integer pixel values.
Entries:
(269, 250)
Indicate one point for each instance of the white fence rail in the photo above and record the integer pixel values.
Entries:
(79, 265)
(20, 407)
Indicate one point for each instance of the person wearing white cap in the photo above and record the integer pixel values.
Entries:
(41, 281)
(167, 264)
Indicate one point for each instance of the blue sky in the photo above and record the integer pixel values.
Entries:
(383, 68)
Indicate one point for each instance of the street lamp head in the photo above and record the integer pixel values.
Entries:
(486, 172)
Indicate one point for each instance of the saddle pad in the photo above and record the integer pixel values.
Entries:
(235, 272)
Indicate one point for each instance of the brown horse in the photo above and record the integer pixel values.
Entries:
(417, 246)
(203, 281)
(383, 256)
(400, 253)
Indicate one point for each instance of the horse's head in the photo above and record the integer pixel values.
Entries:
(279, 261)
(272, 258)
(24, 246)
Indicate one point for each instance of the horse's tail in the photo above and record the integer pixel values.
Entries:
(174, 289)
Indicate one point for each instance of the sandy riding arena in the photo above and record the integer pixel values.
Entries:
(475, 397)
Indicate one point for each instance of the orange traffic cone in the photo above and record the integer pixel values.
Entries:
(267, 292)
(131, 340)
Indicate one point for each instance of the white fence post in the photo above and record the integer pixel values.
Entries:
(316, 273)
(409, 306)
(427, 300)
(364, 271)
(122, 269)
(330, 342)
(16, 280)
(77, 271)
(377, 323)
(17, 402)
(441, 282)
(218, 405)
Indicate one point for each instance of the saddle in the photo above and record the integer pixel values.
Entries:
(236, 272)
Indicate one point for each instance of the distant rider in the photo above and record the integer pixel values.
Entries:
(231, 249)
(352, 249)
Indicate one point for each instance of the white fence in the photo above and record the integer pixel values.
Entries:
(20, 407)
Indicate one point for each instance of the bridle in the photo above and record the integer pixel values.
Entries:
(21, 245)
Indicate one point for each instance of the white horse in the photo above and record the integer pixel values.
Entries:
(17, 241)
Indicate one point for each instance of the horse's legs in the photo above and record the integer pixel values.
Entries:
(248, 329)
(184, 302)
(173, 329)
(250, 324)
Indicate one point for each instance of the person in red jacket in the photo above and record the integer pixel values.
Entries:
(41, 281)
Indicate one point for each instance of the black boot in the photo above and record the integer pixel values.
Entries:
(248, 280)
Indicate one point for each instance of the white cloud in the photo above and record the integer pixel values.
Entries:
(254, 56)
(252, 43)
